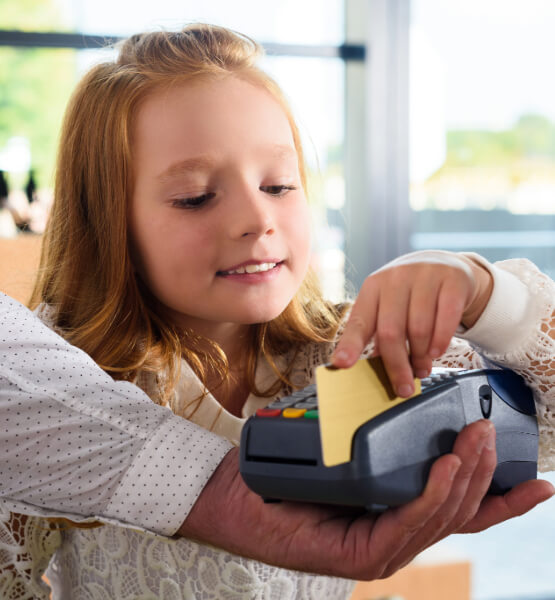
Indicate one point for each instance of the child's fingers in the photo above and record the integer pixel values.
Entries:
(421, 325)
(360, 327)
(421, 366)
(450, 305)
(391, 333)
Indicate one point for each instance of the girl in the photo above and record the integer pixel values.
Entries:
(177, 256)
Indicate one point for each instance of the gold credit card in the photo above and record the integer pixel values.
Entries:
(348, 398)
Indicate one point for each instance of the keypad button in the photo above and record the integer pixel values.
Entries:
(293, 413)
(308, 404)
(311, 414)
(268, 412)
(281, 404)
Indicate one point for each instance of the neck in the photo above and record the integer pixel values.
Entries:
(234, 343)
(233, 340)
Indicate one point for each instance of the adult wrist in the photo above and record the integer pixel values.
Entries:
(205, 519)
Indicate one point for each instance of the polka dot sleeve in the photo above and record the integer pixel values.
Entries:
(77, 444)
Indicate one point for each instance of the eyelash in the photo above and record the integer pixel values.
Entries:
(192, 203)
(199, 201)
(283, 189)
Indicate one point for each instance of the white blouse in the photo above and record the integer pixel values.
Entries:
(516, 330)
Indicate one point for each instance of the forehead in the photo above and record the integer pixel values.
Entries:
(215, 115)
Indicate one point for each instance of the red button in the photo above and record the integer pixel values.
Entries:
(268, 412)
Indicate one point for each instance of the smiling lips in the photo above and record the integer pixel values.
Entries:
(251, 268)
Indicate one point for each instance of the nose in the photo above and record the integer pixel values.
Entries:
(252, 214)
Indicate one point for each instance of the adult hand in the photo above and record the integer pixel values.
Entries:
(411, 308)
(332, 541)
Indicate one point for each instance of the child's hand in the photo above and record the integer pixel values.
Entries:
(411, 308)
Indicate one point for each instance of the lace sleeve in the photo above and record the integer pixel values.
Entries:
(26, 546)
(528, 350)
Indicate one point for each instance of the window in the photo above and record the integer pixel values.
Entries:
(31, 113)
(482, 148)
(482, 167)
(483, 128)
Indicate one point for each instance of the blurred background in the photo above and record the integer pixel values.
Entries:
(427, 124)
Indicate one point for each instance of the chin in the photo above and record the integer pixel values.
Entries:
(258, 320)
(263, 316)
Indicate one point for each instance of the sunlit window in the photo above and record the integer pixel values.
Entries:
(482, 168)
(483, 128)
(35, 84)
(482, 154)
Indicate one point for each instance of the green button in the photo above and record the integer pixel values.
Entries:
(311, 414)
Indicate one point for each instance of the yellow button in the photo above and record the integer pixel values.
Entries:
(293, 413)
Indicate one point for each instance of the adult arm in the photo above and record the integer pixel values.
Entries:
(367, 546)
(511, 318)
(79, 445)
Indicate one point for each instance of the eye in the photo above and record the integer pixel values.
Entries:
(277, 190)
(195, 202)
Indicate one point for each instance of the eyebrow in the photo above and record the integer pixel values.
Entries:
(198, 163)
(204, 162)
(282, 151)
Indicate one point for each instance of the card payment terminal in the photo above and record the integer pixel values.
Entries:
(391, 454)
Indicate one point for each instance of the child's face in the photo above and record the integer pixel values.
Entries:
(218, 218)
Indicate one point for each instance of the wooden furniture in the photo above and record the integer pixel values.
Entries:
(19, 260)
(420, 582)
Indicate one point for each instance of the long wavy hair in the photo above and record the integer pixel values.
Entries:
(86, 278)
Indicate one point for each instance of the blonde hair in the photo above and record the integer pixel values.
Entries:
(86, 274)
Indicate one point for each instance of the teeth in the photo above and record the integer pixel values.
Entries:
(253, 268)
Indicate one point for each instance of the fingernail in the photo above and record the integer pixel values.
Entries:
(487, 441)
(490, 439)
(435, 353)
(340, 355)
(405, 390)
(421, 373)
(454, 471)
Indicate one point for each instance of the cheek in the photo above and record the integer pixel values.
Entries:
(157, 244)
(301, 233)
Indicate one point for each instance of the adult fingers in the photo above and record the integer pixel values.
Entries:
(397, 528)
(516, 502)
(479, 463)
(475, 493)
(468, 488)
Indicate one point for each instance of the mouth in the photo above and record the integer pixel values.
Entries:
(250, 268)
